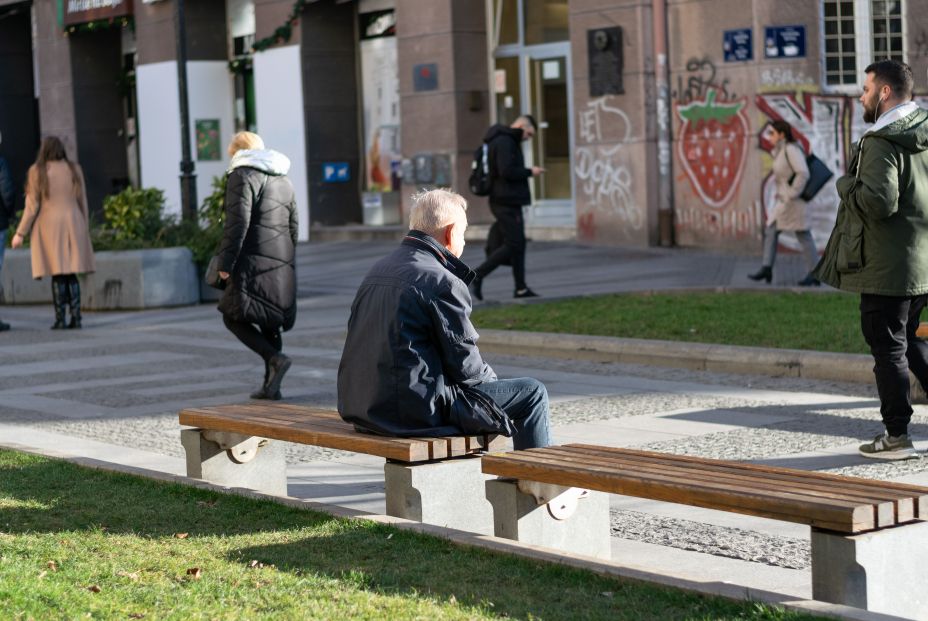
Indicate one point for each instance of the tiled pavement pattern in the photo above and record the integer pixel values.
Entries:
(116, 386)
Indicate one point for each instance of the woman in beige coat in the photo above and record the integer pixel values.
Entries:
(789, 211)
(57, 218)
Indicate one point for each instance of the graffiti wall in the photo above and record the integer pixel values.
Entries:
(603, 173)
(712, 140)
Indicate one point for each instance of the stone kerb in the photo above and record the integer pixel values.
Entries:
(125, 279)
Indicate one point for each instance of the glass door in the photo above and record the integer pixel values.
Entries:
(549, 102)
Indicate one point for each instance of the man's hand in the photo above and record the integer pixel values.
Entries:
(17, 241)
(223, 275)
(537, 170)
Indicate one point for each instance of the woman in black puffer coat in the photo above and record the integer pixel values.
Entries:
(257, 255)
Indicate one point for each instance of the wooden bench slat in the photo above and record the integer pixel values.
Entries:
(408, 451)
(917, 493)
(833, 515)
(305, 425)
(890, 510)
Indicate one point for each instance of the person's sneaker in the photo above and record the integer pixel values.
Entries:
(885, 446)
(476, 288)
(524, 293)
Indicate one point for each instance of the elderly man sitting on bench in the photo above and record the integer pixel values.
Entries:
(411, 366)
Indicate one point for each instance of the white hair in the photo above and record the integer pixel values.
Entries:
(433, 210)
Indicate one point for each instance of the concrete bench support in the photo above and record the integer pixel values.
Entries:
(447, 493)
(880, 571)
(235, 460)
(518, 516)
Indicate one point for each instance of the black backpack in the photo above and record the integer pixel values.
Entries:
(480, 180)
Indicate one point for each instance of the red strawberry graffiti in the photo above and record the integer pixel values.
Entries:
(713, 146)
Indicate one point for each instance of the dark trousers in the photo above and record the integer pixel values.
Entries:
(889, 324)
(512, 227)
(265, 343)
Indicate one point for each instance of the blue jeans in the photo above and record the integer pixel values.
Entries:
(525, 400)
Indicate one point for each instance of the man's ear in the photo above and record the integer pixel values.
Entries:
(447, 235)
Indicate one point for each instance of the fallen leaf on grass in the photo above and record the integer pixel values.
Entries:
(195, 572)
(390, 536)
(181, 535)
(94, 588)
(52, 565)
(256, 565)
(136, 615)
(606, 593)
(42, 574)
(131, 576)
(207, 503)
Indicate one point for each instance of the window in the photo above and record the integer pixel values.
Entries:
(858, 32)
(887, 29)
(528, 22)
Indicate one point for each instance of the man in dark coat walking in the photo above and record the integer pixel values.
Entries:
(410, 366)
(509, 192)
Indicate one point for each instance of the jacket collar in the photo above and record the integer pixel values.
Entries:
(423, 241)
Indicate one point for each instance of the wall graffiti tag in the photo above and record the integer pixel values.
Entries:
(712, 146)
(603, 177)
(701, 77)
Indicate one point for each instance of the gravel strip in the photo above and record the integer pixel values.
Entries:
(724, 541)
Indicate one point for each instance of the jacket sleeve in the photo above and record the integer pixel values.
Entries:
(82, 194)
(238, 203)
(294, 223)
(457, 338)
(797, 161)
(874, 189)
(7, 191)
(32, 203)
(509, 165)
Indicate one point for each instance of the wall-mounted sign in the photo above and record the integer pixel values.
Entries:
(785, 42)
(737, 46)
(605, 58)
(83, 11)
(425, 77)
(336, 172)
(208, 148)
(377, 24)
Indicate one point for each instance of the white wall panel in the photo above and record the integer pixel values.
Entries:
(279, 103)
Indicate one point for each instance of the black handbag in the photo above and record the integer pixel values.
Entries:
(819, 174)
(475, 413)
(212, 274)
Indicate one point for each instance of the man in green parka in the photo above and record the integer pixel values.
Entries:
(879, 246)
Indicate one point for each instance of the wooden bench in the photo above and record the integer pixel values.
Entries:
(433, 480)
(869, 543)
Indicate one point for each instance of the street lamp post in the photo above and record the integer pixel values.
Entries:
(188, 177)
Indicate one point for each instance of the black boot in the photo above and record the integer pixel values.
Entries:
(74, 300)
(59, 301)
(809, 281)
(476, 288)
(765, 273)
(277, 368)
(262, 392)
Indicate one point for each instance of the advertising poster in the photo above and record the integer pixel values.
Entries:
(381, 100)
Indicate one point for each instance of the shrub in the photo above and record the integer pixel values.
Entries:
(135, 215)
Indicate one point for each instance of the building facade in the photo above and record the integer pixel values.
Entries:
(652, 112)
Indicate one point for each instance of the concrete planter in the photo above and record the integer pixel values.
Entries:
(125, 279)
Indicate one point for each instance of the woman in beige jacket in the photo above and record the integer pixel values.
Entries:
(56, 216)
(789, 211)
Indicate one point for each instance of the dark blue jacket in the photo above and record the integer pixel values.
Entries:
(7, 195)
(411, 351)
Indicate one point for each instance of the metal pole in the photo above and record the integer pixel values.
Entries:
(188, 177)
(664, 120)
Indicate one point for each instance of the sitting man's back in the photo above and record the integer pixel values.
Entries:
(411, 366)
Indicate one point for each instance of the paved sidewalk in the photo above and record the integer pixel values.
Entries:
(112, 392)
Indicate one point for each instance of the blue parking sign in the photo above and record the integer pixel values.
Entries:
(335, 172)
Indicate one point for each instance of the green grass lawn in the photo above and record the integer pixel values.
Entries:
(78, 543)
(785, 319)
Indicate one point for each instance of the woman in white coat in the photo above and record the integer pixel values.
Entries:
(789, 211)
